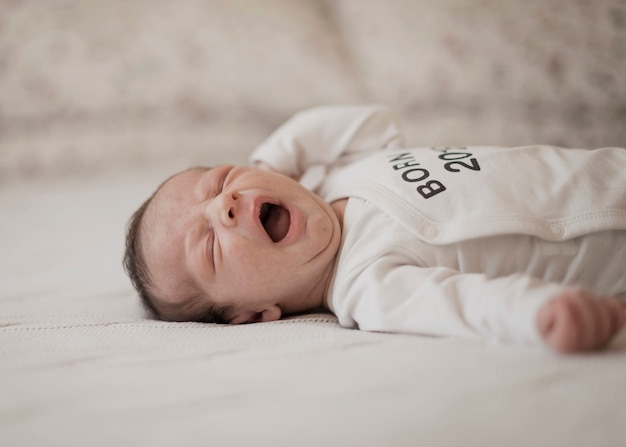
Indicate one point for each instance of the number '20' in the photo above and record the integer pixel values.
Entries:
(456, 158)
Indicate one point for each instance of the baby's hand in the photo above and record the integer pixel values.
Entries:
(577, 320)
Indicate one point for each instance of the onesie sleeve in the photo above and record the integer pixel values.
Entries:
(320, 136)
(391, 296)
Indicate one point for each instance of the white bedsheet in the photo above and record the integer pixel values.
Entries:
(80, 365)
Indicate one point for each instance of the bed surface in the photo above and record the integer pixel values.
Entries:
(80, 365)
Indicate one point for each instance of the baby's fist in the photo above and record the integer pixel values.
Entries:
(577, 320)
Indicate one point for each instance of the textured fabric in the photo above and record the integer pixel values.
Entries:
(80, 365)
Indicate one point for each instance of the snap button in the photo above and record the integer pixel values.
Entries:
(556, 229)
(430, 231)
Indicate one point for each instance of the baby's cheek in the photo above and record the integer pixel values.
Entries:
(249, 262)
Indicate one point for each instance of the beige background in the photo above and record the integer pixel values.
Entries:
(92, 85)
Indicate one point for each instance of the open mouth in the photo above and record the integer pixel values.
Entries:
(275, 220)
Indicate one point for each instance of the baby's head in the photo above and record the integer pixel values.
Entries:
(231, 244)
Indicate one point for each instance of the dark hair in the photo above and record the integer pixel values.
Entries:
(135, 264)
(137, 270)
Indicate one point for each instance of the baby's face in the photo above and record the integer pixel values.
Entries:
(240, 236)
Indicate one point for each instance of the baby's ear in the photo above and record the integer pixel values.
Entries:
(272, 313)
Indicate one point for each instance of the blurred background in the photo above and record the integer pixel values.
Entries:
(89, 85)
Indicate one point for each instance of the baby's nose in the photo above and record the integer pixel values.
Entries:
(226, 208)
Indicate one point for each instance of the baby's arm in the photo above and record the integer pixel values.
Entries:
(318, 137)
(577, 320)
(390, 295)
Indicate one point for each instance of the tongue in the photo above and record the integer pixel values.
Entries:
(277, 223)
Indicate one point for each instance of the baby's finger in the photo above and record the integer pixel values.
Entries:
(586, 315)
(610, 320)
(617, 313)
(559, 326)
(603, 330)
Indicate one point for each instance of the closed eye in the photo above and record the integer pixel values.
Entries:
(211, 242)
(210, 248)
(222, 180)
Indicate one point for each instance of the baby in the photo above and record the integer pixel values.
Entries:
(522, 245)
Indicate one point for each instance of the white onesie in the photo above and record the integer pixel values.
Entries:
(466, 241)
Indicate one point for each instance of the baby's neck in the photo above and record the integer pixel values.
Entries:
(339, 207)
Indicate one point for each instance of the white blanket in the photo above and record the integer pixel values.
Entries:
(81, 366)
